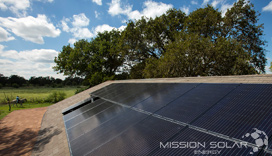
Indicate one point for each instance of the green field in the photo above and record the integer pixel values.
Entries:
(34, 93)
(35, 97)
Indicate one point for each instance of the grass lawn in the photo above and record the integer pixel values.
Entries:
(33, 96)
(32, 93)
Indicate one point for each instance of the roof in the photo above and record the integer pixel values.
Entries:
(52, 138)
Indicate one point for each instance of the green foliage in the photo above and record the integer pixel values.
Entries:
(195, 55)
(270, 67)
(34, 95)
(97, 60)
(203, 43)
(55, 97)
(15, 85)
(1, 86)
(241, 23)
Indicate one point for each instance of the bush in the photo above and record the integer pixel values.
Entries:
(55, 97)
(1, 85)
(15, 85)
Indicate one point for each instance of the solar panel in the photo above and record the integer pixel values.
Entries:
(162, 97)
(247, 107)
(134, 119)
(105, 132)
(195, 102)
(192, 142)
(82, 109)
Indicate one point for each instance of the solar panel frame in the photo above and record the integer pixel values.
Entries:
(130, 104)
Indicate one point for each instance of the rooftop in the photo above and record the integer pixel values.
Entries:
(52, 136)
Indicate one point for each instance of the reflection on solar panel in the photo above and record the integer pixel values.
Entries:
(172, 119)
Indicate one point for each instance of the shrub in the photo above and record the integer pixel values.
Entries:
(15, 85)
(55, 97)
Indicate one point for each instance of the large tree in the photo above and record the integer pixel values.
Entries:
(146, 38)
(203, 43)
(241, 23)
(96, 61)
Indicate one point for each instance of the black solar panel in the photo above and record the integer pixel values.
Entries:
(82, 109)
(195, 102)
(139, 139)
(247, 107)
(192, 142)
(160, 98)
(134, 119)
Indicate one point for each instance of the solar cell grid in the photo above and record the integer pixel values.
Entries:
(195, 102)
(194, 142)
(83, 109)
(140, 139)
(164, 96)
(87, 114)
(108, 88)
(247, 107)
(107, 128)
(135, 97)
(105, 132)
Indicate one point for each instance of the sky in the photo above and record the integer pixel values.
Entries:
(33, 32)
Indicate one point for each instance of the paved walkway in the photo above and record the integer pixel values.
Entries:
(19, 131)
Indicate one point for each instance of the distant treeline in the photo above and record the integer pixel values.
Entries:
(19, 81)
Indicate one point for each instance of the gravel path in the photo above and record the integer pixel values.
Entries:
(19, 131)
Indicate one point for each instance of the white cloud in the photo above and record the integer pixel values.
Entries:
(96, 14)
(185, 10)
(81, 33)
(194, 2)
(72, 41)
(105, 27)
(122, 28)
(78, 27)
(215, 3)
(115, 8)
(224, 8)
(4, 35)
(64, 25)
(205, 2)
(80, 20)
(102, 28)
(98, 2)
(150, 9)
(36, 62)
(18, 7)
(31, 28)
(153, 9)
(268, 7)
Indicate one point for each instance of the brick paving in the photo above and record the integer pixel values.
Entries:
(19, 131)
(52, 136)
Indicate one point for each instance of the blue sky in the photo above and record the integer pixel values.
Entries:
(33, 32)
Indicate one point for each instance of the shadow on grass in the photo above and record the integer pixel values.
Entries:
(25, 141)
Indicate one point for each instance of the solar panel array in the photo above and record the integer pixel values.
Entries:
(173, 119)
